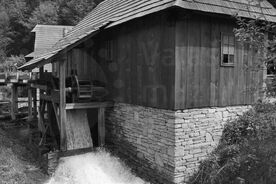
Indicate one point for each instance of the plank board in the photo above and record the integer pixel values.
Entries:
(30, 104)
(205, 63)
(78, 134)
(14, 98)
(101, 126)
(91, 105)
(181, 64)
(62, 103)
(215, 63)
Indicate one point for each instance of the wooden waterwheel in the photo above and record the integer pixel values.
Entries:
(82, 90)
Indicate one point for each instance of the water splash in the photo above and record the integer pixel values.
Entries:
(93, 168)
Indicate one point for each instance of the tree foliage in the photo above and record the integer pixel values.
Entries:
(260, 34)
(45, 13)
(18, 18)
(246, 152)
(72, 11)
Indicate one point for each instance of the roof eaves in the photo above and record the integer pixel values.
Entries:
(47, 57)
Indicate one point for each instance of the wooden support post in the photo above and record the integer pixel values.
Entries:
(41, 121)
(35, 103)
(62, 105)
(30, 104)
(101, 126)
(16, 99)
(41, 73)
(56, 114)
(14, 104)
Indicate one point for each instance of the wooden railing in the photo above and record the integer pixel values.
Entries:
(15, 77)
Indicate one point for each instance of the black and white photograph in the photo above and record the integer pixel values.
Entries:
(137, 91)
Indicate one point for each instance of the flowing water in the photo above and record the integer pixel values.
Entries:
(93, 168)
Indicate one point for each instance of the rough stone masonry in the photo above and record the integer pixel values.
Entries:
(167, 146)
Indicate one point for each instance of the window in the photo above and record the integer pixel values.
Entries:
(227, 49)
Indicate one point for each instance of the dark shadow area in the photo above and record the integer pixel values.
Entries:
(93, 124)
(246, 153)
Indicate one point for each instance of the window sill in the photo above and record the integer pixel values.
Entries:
(227, 65)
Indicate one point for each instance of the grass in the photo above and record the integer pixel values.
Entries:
(17, 165)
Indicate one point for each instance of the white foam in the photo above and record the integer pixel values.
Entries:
(93, 168)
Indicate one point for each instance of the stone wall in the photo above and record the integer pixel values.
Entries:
(145, 135)
(197, 133)
(166, 146)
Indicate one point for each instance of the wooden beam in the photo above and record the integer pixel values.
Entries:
(101, 126)
(56, 113)
(70, 153)
(38, 86)
(30, 104)
(92, 105)
(41, 122)
(62, 102)
(16, 98)
(41, 72)
(35, 103)
(14, 105)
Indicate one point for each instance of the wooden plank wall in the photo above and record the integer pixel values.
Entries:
(169, 62)
(137, 59)
(200, 79)
(134, 60)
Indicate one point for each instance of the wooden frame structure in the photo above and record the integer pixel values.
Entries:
(15, 80)
(71, 118)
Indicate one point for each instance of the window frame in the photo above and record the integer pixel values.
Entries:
(222, 64)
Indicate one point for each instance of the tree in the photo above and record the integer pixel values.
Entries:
(45, 13)
(72, 11)
(13, 32)
(260, 34)
(63, 12)
(18, 18)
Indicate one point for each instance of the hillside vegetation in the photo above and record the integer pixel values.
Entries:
(17, 164)
(246, 153)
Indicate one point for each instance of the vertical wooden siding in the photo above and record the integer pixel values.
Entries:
(157, 62)
(200, 79)
(138, 60)
(135, 61)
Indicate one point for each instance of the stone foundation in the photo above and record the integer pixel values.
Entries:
(197, 133)
(166, 146)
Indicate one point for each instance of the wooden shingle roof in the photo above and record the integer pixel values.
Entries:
(110, 13)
